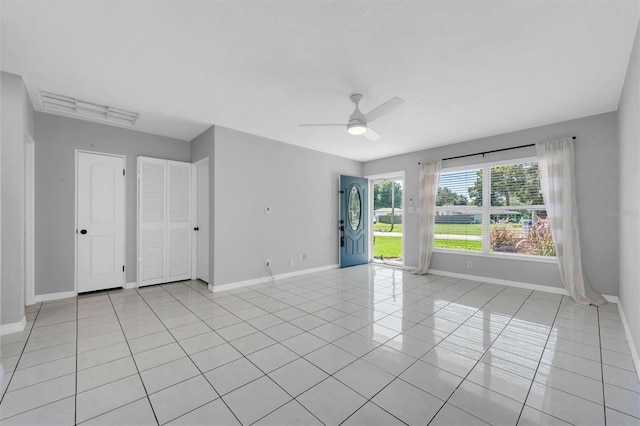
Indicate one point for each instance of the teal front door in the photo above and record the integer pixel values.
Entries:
(354, 221)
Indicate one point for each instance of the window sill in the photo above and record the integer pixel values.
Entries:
(522, 257)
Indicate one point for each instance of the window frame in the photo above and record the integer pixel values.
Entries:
(488, 210)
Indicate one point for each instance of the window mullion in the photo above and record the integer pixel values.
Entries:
(486, 204)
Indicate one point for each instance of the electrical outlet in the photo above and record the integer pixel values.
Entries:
(304, 256)
(267, 263)
(291, 262)
(469, 264)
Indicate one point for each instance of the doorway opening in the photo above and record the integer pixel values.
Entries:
(387, 218)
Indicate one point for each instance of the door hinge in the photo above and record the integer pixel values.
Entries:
(122, 268)
(123, 172)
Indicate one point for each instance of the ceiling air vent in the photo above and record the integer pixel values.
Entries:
(87, 109)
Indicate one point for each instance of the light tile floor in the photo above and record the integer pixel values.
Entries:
(368, 345)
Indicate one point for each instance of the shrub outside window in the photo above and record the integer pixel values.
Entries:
(493, 209)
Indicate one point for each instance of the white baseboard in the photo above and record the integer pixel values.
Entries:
(262, 280)
(632, 346)
(518, 284)
(55, 296)
(306, 271)
(238, 284)
(14, 327)
(129, 286)
(509, 283)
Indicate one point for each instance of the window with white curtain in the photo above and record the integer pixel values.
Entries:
(493, 208)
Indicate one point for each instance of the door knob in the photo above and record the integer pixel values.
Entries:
(83, 231)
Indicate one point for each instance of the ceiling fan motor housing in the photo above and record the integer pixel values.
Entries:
(357, 124)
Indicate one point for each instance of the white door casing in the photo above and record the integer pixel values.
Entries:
(202, 220)
(100, 223)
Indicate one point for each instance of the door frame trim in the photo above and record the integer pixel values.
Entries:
(29, 221)
(124, 207)
(387, 176)
(194, 216)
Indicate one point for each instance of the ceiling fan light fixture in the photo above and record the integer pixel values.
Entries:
(358, 124)
(356, 129)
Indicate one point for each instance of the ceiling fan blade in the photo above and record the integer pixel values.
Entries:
(383, 109)
(321, 125)
(371, 135)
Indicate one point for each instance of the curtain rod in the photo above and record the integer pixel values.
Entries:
(490, 152)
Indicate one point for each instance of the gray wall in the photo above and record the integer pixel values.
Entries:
(203, 147)
(17, 117)
(300, 186)
(596, 152)
(57, 138)
(629, 130)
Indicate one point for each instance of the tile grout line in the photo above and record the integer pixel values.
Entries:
(15, 369)
(277, 342)
(186, 300)
(533, 379)
(243, 356)
(295, 398)
(601, 363)
(44, 381)
(546, 342)
(186, 354)
(483, 353)
(397, 376)
(604, 394)
(265, 294)
(134, 363)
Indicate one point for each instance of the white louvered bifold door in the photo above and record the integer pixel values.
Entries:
(152, 220)
(178, 221)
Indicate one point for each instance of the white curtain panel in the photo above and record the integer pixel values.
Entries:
(555, 160)
(428, 191)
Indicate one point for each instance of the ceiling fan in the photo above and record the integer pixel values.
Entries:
(359, 123)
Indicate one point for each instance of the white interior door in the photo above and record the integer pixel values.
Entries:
(178, 221)
(152, 202)
(202, 221)
(100, 221)
(164, 221)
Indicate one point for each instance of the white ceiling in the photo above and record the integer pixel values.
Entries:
(466, 69)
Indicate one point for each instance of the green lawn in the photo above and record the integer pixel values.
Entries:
(387, 246)
(470, 229)
(458, 244)
(392, 246)
(386, 227)
(458, 229)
